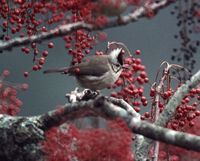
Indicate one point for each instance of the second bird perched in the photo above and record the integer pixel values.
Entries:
(98, 71)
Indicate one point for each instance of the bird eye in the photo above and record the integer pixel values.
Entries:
(118, 65)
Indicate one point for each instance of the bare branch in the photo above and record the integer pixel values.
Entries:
(69, 28)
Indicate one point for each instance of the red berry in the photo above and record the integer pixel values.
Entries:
(41, 60)
(26, 50)
(143, 99)
(138, 52)
(144, 103)
(24, 86)
(33, 45)
(26, 74)
(136, 103)
(5, 24)
(44, 29)
(35, 67)
(6, 73)
(67, 45)
(146, 114)
(137, 109)
(152, 92)
(191, 123)
(45, 53)
(77, 70)
(119, 82)
(50, 45)
(197, 113)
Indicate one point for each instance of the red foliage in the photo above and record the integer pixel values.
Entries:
(186, 112)
(9, 103)
(180, 153)
(112, 143)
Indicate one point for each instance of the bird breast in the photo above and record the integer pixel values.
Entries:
(97, 83)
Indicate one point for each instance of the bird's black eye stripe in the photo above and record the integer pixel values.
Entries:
(120, 58)
(117, 65)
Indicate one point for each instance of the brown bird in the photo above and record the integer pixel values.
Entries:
(98, 71)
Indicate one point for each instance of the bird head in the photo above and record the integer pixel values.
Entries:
(116, 51)
(116, 56)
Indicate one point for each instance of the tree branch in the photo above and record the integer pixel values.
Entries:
(104, 108)
(170, 109)
(26, 132)
(176, 99)
(69, 28)
(138, 140)
(19, 139)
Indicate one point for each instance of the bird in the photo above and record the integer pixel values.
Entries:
(97, 71)
(112, 7)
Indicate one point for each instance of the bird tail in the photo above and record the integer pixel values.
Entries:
(60, 70)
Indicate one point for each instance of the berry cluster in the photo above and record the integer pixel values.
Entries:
(187, 111)
(161, 92)
(79, 44)
(28, 18)
(177, 153)
(21, 18)
(9, 103)
(131, 82)
(101, 144)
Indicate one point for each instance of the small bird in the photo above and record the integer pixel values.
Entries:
(112, 7)
(98, 71)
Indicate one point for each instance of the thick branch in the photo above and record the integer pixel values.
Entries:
(176, 99)
(138, 140)
(69, 28)
(20, 135)
(19, 139)
(170, 109)
(101, 106)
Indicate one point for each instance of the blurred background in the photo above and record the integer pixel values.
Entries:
(154, 37)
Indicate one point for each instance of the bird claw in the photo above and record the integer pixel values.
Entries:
(89, 94)
(76, 96)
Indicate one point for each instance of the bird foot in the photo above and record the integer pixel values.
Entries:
(89, 94)
(76, 96)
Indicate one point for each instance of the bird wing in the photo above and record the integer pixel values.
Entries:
(91, 66)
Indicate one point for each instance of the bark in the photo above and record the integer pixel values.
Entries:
(169, 110)
(20, 135)
(19, 139)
